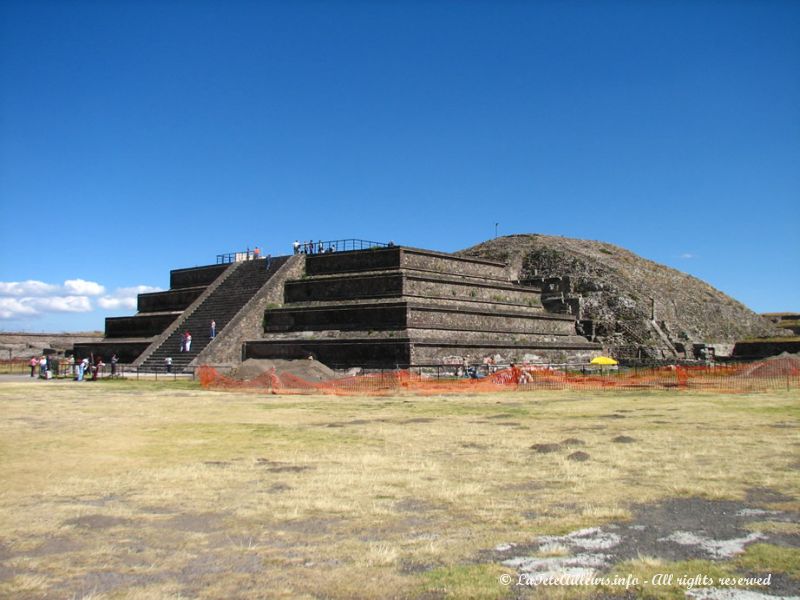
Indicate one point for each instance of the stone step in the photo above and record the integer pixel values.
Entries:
(401, 283)
(417, 333)
(221, 306)
(399, 315)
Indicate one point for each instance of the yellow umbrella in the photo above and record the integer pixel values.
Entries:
(603, 360)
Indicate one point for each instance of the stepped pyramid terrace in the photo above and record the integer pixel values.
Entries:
(374, 306)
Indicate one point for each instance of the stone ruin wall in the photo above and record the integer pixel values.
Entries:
(26, 345)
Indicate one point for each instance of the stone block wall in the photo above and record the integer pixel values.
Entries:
(25, 345)
(170, 300)
(143, 325)
(749, 350)
(446, 287)
(362, 317)
(344, 288)
(398, 284)
(195, 276)
(437, 317)
(452, 265)
(442, 352)
(385, 259)
(344, 353)
(375, 259)
(126, 350)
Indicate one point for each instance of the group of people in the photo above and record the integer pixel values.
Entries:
(93, 368)
(186, 341)
(48, 367)
(310, 247)
(186, 337)
(86, 367)
(488, 367)
(255, 254)
(42, 364)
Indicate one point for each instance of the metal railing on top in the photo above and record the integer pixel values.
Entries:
(346, 245)
(231, 257)
(307, 247)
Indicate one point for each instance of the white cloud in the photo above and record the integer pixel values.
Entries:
(31, 287)
(61, 304)
(110, 303)
(11, 308)
(80, 287)
(27, 288)
(124, 298)
(687, 255)
(135, 290)
(30, 299)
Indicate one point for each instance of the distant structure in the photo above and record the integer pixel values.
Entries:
(639, 310)
(786, 340)
(24, 344)
(365, 304)
(785, 320)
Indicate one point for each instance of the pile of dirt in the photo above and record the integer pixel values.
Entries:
(775, 366)
(621, 293)
(309, 370)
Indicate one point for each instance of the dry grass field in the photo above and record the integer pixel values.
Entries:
(143, 490)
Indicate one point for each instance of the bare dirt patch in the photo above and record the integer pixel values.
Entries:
(416, 505)
(675, 530)
(546, 448)
(570, 442)
(415, 420)
(579, 456)
(201, 523)
(54, 545)
(97, 522)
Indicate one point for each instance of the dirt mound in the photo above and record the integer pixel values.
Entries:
(632, 302)
(783, 364)
(309, 370)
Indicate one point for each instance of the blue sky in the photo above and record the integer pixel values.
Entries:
(136, 137)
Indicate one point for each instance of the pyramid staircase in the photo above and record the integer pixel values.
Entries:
(221, 305)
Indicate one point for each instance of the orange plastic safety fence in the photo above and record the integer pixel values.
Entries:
(750, 378)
